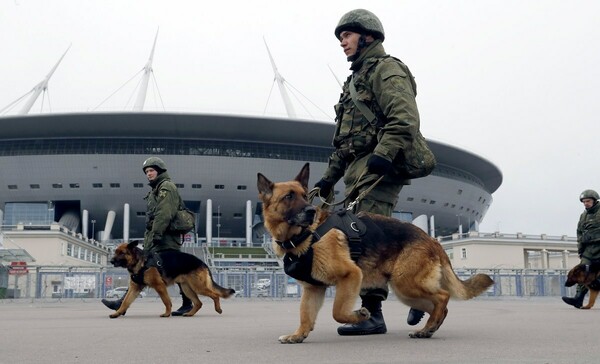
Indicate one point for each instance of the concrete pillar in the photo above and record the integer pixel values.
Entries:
(544, 258)
(209, 222)
(84, 223)
(565, 259)
(110, 220)
(432, 226)
(1, 223)
(421, 221)
(249, 216)
(126, 223)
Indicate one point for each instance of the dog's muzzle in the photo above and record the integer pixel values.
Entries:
(118, 262)
(303, 218)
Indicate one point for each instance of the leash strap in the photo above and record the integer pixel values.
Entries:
(327, 202)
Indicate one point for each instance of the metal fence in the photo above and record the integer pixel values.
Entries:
(53, 282)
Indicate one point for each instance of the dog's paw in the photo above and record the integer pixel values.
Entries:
(291, 339)
(363, 314)
(114, 315)
(166, 315)
(420, 334)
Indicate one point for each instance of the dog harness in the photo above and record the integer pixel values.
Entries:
(300, 267)
(152, 260)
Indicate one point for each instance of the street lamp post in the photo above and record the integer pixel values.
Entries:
(219, 225)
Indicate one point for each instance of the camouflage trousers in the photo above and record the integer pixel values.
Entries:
(386, 208)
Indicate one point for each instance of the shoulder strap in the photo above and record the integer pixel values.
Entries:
(364, 109)
(181, 203)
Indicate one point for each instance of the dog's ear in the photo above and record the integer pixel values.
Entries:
(265, 187)
(133, 244)
(303, 176)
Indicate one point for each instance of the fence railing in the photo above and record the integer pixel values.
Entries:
(54, 282)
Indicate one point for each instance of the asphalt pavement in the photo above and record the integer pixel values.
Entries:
(483, 330)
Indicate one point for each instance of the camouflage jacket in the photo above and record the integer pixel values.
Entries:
(588, 228)
(387, 87)
(162, 204)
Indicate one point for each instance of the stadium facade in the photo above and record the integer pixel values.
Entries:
(83, 170)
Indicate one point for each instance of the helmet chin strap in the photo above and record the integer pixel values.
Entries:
(362, 44)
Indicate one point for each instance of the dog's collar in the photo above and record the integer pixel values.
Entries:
(295, 240)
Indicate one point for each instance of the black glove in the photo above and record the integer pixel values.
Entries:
(325, 187)
(378, 165)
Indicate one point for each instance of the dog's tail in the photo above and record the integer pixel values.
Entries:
(466, 289)
(223, 292)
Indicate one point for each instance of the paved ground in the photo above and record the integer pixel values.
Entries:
(484, 330)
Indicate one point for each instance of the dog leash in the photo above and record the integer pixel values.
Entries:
(327, 201)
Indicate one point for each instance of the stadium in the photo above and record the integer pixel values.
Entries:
(83, 170)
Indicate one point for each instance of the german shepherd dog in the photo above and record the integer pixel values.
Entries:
(393, 252)
(170, 267)
(589, 276)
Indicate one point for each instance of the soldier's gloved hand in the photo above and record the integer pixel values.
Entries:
(378, 165)
(325, 186)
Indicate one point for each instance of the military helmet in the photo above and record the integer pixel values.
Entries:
(589, 194)
(360, 21)
(155, 163)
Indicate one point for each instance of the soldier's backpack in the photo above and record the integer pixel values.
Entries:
(183, 221)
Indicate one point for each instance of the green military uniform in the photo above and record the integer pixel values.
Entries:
(588, 241)
(366, 150)
(163, 201)
(588, 234)
(162, 204)
(588, 238)
(385, 85)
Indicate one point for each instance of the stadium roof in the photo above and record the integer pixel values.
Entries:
(167, 125)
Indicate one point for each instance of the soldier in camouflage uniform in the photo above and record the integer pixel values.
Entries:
(364, 151)
(588, 240)
(162, 205)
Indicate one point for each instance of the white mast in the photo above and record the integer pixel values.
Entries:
(42, 86)
(336, 78)
(281, 83)
(141, 97)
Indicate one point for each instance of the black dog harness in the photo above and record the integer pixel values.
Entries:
(152, 260)
(300, 267)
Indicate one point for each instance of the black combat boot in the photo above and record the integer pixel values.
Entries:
(186, 305)
(114, 304)
(577, 300)
(374, 325)
(414, 316)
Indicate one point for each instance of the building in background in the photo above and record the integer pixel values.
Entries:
(84, 172)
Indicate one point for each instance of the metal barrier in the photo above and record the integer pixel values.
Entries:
(80, 282)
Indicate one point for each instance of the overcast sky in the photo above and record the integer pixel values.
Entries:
(513, 81)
